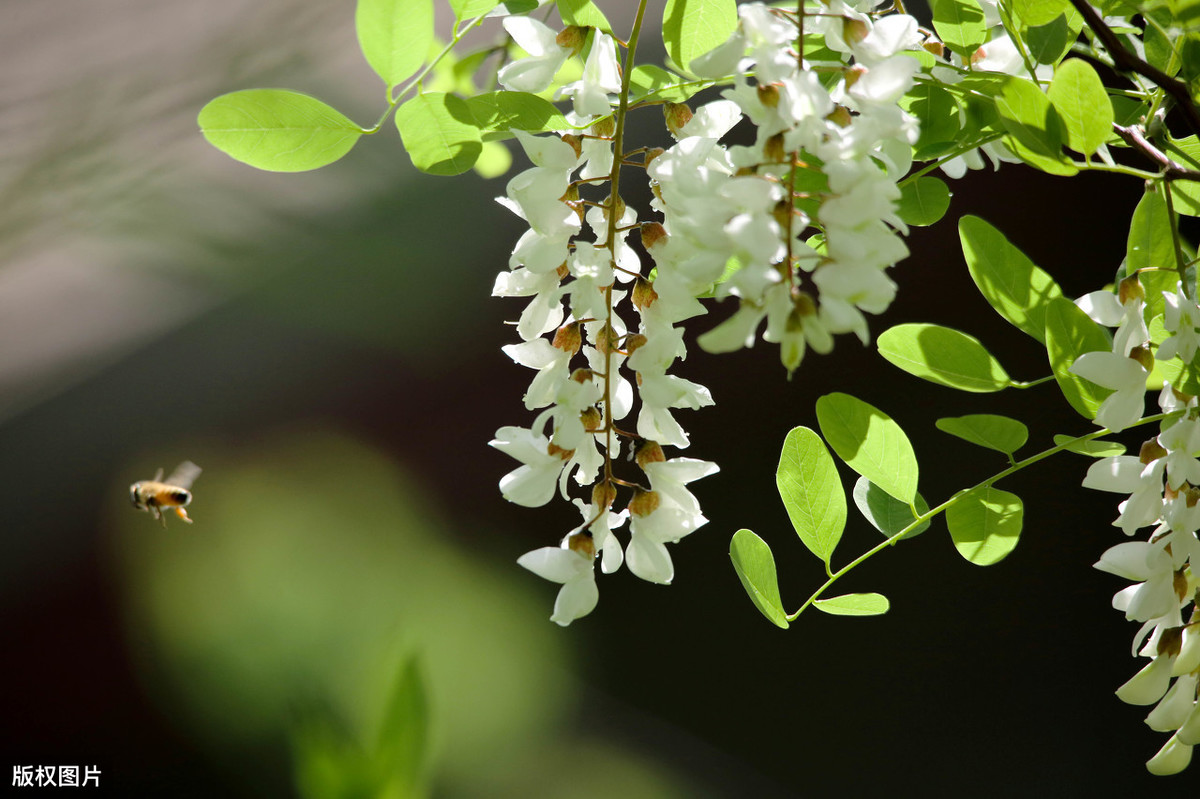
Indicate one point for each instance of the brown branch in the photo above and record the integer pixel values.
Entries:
(1171, 169)
(1131, 63)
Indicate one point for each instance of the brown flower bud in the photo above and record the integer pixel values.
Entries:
(563, 270)
(572, 38)
(652, 233)
(1151, 451)
(605, 128)
(555, 449)
(1170, 641)
(773, 150)
(782, 213)
(633, 341)
(582, 543)
(644, 294)
(604, 495)
(606, 339)
(851, 74)
(648, 451)
(591, 419)
(651, 154)
(1143, 356)
(840, 116)
(582, 376)
(609, 206)
(643, 502)
(1130, 288)
(935, 47)
(576, 143)
(568, 338)
(1180, 584)
(768, 95)
(677, 115)
(854, 30)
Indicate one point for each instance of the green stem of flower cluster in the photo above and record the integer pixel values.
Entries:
(932, 512)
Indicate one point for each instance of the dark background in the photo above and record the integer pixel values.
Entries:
(289, 310)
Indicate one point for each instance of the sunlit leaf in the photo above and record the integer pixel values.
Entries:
(404, 735)
(1050, 42)
(502, 111)
(1018, 290)
(395, 36)
(691, 28)
(985, 524)
(1150, 244)
(944, 356)
(870, 443)
(755, 567)
(937, 110)
(1039, 12)
(439, 133)
(1082, 104)
(987, 430)
(853, 605)
(812, 492)
(1070, 333)
(923, 201)
(650, 82)
(583, 13)
(469, 9)
(277, 130)
(960, 24)
(1096, 448)
(1033, 125)
(887, 514)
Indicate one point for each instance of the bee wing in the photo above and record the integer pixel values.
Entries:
(157, 475)
(184, 475)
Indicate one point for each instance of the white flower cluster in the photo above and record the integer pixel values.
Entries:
(837, 145)
(1163, 484)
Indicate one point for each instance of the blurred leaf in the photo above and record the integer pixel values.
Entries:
(438, 133)
(944, 356)
(987, 430)
(395, 36)
(494, 160)
(583, 13)
(755, 567)
(960, 24)
(404, 735)
(811, 491)
(870, 443)
(691, 28)
(469, 9)
(985, 524)
(887, 514)
(1039, 12)
(277, 130)
(853, 605)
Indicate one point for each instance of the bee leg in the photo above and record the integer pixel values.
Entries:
(158, 515)
(181, 513)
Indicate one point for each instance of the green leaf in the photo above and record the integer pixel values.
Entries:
(937, 110)
(1160, 43)
(395, 36)
(812, 492)
(1184, 376)
(1082, 103)
(960, 24)
(1096, 448)
(1034, 126)
(755, 567)
(502, 111)
(1039, 12)
(404, 735)
(494, 160)
(853, 605)
(583, 13)
(1070, 333)
(469, 9)
(944, 356)
(439, 133)
(1050, 42)
(277, 130)
(923, 201)
(985, 524)
(693, 27)
(649, 82)
(1185, 193)
(887, 514)
(870, 443)
(1150, 243)
(987, 430)
(1017, 289)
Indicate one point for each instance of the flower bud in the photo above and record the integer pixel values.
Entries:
(608, 207)
(562, 271)
(850, 75)
(582, 376)
(1170, 641)
(934, 46)
(604, 495)
(1180, 584)
(840, 116)
(782, 214)
(606, 339)
(568, 338)
(677, 115)
(633, 342)
(575, 141)
(1151, 451)
(582, 543)
(572, 38)
(591, 419)
(768, 95)
(651, 154)
(555, 449)
(643, 502)
(854, 30)
(1143, 356)
(606, 128)
(1130, 289)
(644, 294)
(648, 451)
(774, 151)
(652, 233)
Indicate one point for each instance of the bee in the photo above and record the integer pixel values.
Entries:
(158, 495)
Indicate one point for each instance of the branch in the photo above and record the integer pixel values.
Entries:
(1171, 170)
(1131, 63)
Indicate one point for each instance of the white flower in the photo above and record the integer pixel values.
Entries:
(603, 522)
(601, 77)
(578, 595)
(668, 478)
(1173, 758)
(1126, 474)
(536, 72)
(647, 554)
(1152, 597)
(1148, 685)
(1181, 318)
(1125, 376)
(532, 484)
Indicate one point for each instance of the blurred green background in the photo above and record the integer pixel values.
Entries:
(324, 346)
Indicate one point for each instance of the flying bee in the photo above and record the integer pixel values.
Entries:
(158, 495)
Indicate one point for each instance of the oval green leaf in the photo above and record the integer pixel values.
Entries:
(938, 112)
(870, 443)
(691, 28)
(1185, 193)
(277, 130)
(395, 36)
(960, 24)
(944, 356)
(649, 82)
(1050, 42)
(1070, 333)
(1039, 12)
(469, 9)
(923, 201)
(812, 492)
(403, 743)
(887, 514)
(503, 111)
(1018, 290)
(438, 133)
(755, 567)
(985, 524)
(1033, 126)
(987, 430)
(853, 605)
(1096, 448)
(1082, 104)
(583, 13)
(1149, 244)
